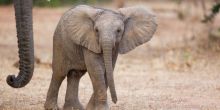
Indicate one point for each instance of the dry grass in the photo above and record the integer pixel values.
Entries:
(176, 70)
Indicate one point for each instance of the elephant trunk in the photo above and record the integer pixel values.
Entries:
(23, 13)
(107, 53)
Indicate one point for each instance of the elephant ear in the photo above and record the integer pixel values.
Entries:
(140, 25)
(78, 25)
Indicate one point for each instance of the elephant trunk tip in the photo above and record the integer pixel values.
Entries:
(11, 80)
(14, 82)
(114, 99)
(113, 94)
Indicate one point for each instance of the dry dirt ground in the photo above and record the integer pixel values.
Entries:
(179, 69)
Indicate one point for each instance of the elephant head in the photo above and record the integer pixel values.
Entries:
(23, 13)
(102, 31)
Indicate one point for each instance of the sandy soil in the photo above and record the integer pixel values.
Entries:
(179, 69)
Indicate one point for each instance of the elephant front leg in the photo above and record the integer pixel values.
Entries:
(91, 103)
(96, 69)
(71, 100)
(98, 100)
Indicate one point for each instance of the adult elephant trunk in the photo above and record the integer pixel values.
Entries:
(23, 13)
(107, 53)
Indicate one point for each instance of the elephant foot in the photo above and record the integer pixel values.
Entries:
(91, 104)
(73, 106)
(51, 106)
(103, 105)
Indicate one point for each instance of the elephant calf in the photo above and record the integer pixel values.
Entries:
(88, 39)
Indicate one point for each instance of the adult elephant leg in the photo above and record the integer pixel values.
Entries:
(71, 100)
(23, 13)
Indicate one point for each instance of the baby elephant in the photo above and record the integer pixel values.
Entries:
(88, 39)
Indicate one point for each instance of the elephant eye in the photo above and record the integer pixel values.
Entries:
(96, 30)
(118, 30)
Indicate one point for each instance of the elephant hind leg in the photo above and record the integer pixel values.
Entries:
(58, 76)
(71, 100)
(52, 94)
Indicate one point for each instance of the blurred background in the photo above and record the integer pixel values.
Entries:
(178, 69)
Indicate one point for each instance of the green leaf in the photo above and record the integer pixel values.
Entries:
(215, 8)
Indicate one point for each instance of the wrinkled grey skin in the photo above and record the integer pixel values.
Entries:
(88, 39)
(23, 13)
